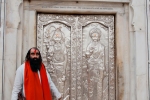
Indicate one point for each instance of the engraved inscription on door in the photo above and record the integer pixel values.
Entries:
(78, 52)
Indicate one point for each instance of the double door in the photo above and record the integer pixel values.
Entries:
(78, 52)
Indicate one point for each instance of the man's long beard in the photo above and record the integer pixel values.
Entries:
(35, 64)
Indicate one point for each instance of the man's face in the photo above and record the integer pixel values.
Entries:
(34, 54)
(57, 36)
(35, 62)
(95, 36)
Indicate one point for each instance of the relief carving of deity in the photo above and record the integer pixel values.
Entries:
(57, 59)
(95, 65)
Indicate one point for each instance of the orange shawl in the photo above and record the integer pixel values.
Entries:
(34, 89)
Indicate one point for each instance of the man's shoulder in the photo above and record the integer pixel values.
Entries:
(21, 67)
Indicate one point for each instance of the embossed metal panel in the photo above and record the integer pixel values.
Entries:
(78, 52)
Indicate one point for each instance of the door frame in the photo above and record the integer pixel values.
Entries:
(122, 36)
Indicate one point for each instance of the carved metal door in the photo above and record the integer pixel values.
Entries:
(78, 51)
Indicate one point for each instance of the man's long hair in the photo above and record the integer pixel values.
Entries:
(27, 58)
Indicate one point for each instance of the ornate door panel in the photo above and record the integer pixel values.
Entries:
(78, 51)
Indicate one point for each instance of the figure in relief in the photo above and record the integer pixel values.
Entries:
(95, 65)
(57, 58)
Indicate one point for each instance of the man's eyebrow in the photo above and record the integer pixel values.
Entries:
(34, 52)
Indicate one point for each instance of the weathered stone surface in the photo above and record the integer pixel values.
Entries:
(130, 38)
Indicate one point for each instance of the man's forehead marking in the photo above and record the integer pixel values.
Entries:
(34, 50)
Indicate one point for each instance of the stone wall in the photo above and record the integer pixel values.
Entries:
(2, 25)
(17, 28)
(138, 32)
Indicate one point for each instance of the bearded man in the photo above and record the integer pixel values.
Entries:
(33, 80)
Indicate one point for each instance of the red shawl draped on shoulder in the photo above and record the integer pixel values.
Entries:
(34, 88)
